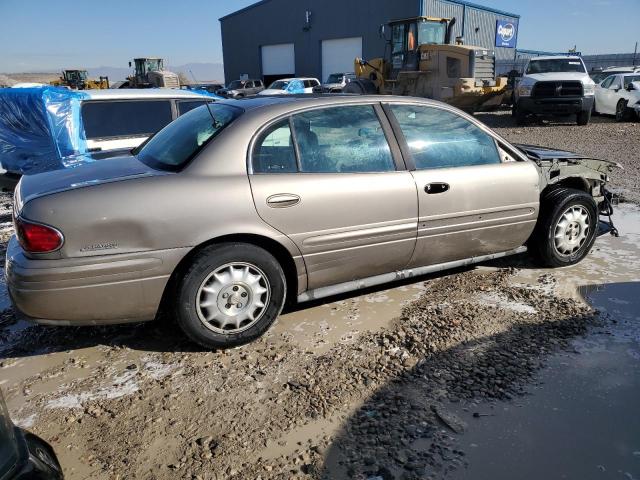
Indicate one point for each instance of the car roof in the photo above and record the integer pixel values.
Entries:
(619, 69)
(295, 78)
(556, 57)
(133, 93)
(320, 99)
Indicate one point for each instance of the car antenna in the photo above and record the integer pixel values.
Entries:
(215, 123)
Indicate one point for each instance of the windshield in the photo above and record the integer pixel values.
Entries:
(176, 144)
(236, 84)
(279, 85)
(556, 65)
(431, 32)
(335, 78)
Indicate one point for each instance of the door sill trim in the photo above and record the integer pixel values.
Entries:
(359, 284)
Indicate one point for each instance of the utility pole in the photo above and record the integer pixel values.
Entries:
(635, 52)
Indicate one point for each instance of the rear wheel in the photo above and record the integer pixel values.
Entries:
(230, 295)
(621, 111)
(566, 228)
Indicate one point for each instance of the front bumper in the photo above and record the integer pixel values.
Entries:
(94, 290)
(555, 105)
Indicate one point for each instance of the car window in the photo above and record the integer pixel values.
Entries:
(273, 151)
(258, 83)
(616, 83)
(131, 118)
(342, 139)
(607, 82)
(176, 144)
(631, 78)
(438, 138)
(185, 106)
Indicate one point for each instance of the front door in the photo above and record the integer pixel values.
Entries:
(327, 178)
(474, 198)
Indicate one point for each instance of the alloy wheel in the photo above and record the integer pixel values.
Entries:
(572, 230)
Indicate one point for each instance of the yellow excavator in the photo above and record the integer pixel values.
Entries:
(421, 61)
(79, 80)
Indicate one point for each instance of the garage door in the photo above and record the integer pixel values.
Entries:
(278, 61)
(338, 55)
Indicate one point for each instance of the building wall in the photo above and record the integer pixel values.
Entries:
(282, 21)
(476, 25)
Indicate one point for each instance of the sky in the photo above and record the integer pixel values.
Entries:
(47, 35)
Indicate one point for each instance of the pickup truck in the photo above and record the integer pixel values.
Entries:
(554, 86)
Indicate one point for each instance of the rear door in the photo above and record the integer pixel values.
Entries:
(330, 179)
(115, 124)
(474, 198)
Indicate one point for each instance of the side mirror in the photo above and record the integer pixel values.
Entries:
(630, 87)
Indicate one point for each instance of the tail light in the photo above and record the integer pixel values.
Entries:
(37, 238)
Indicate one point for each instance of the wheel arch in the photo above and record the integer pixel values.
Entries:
(275, 248)
(576, 182)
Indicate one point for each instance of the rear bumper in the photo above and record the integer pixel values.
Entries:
(95, 290)
(555, 105)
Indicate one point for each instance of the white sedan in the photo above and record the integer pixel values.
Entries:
(618, 95)
(291, 86)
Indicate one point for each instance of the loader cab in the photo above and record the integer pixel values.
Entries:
(408, 34)
(145, 65)
(75, 78)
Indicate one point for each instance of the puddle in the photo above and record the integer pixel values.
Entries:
(580, 419)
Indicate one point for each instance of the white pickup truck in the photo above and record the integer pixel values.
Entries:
(554, 86)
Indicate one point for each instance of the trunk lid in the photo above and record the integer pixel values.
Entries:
(95, 173)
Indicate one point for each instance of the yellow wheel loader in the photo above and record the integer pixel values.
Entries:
(420, 61)
(79, 80)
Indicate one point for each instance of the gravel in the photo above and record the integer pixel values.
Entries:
(602, 138)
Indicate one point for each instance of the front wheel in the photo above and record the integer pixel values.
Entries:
(566, 228)
(230, 295)
(621, 111)
(583, 118)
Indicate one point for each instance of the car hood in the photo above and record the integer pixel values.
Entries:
(93, 173)
(556, 76)
(272, 91)
(544, 156)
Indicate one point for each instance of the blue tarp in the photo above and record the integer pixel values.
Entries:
(40, 129)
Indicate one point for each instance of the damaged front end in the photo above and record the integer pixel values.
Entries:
(558, 167)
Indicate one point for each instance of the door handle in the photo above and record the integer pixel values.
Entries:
(436, 187)
(282, 200)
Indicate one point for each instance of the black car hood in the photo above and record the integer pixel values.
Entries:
(84, 175)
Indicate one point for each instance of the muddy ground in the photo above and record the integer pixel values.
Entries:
(401, 382)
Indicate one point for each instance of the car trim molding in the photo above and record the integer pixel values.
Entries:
(399, 275)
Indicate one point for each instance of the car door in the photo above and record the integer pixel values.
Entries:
(331, 179)
(474, 198)
(612, 95)
(601, 92)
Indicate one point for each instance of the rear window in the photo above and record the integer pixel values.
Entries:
(137, 118)
(176, 144)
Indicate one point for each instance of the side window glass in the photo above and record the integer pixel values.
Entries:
(125, 118)
(185, 106)
(607, 82)
(438, 138)
(342, 139)
(274, 152)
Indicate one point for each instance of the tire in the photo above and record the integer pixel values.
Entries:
(582, 118)
(579, 213)
(230, 273)
(520, 115)
(621, 111)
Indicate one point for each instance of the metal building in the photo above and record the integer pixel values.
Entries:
(276, 38)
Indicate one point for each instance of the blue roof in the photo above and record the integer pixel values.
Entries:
(460, 2)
